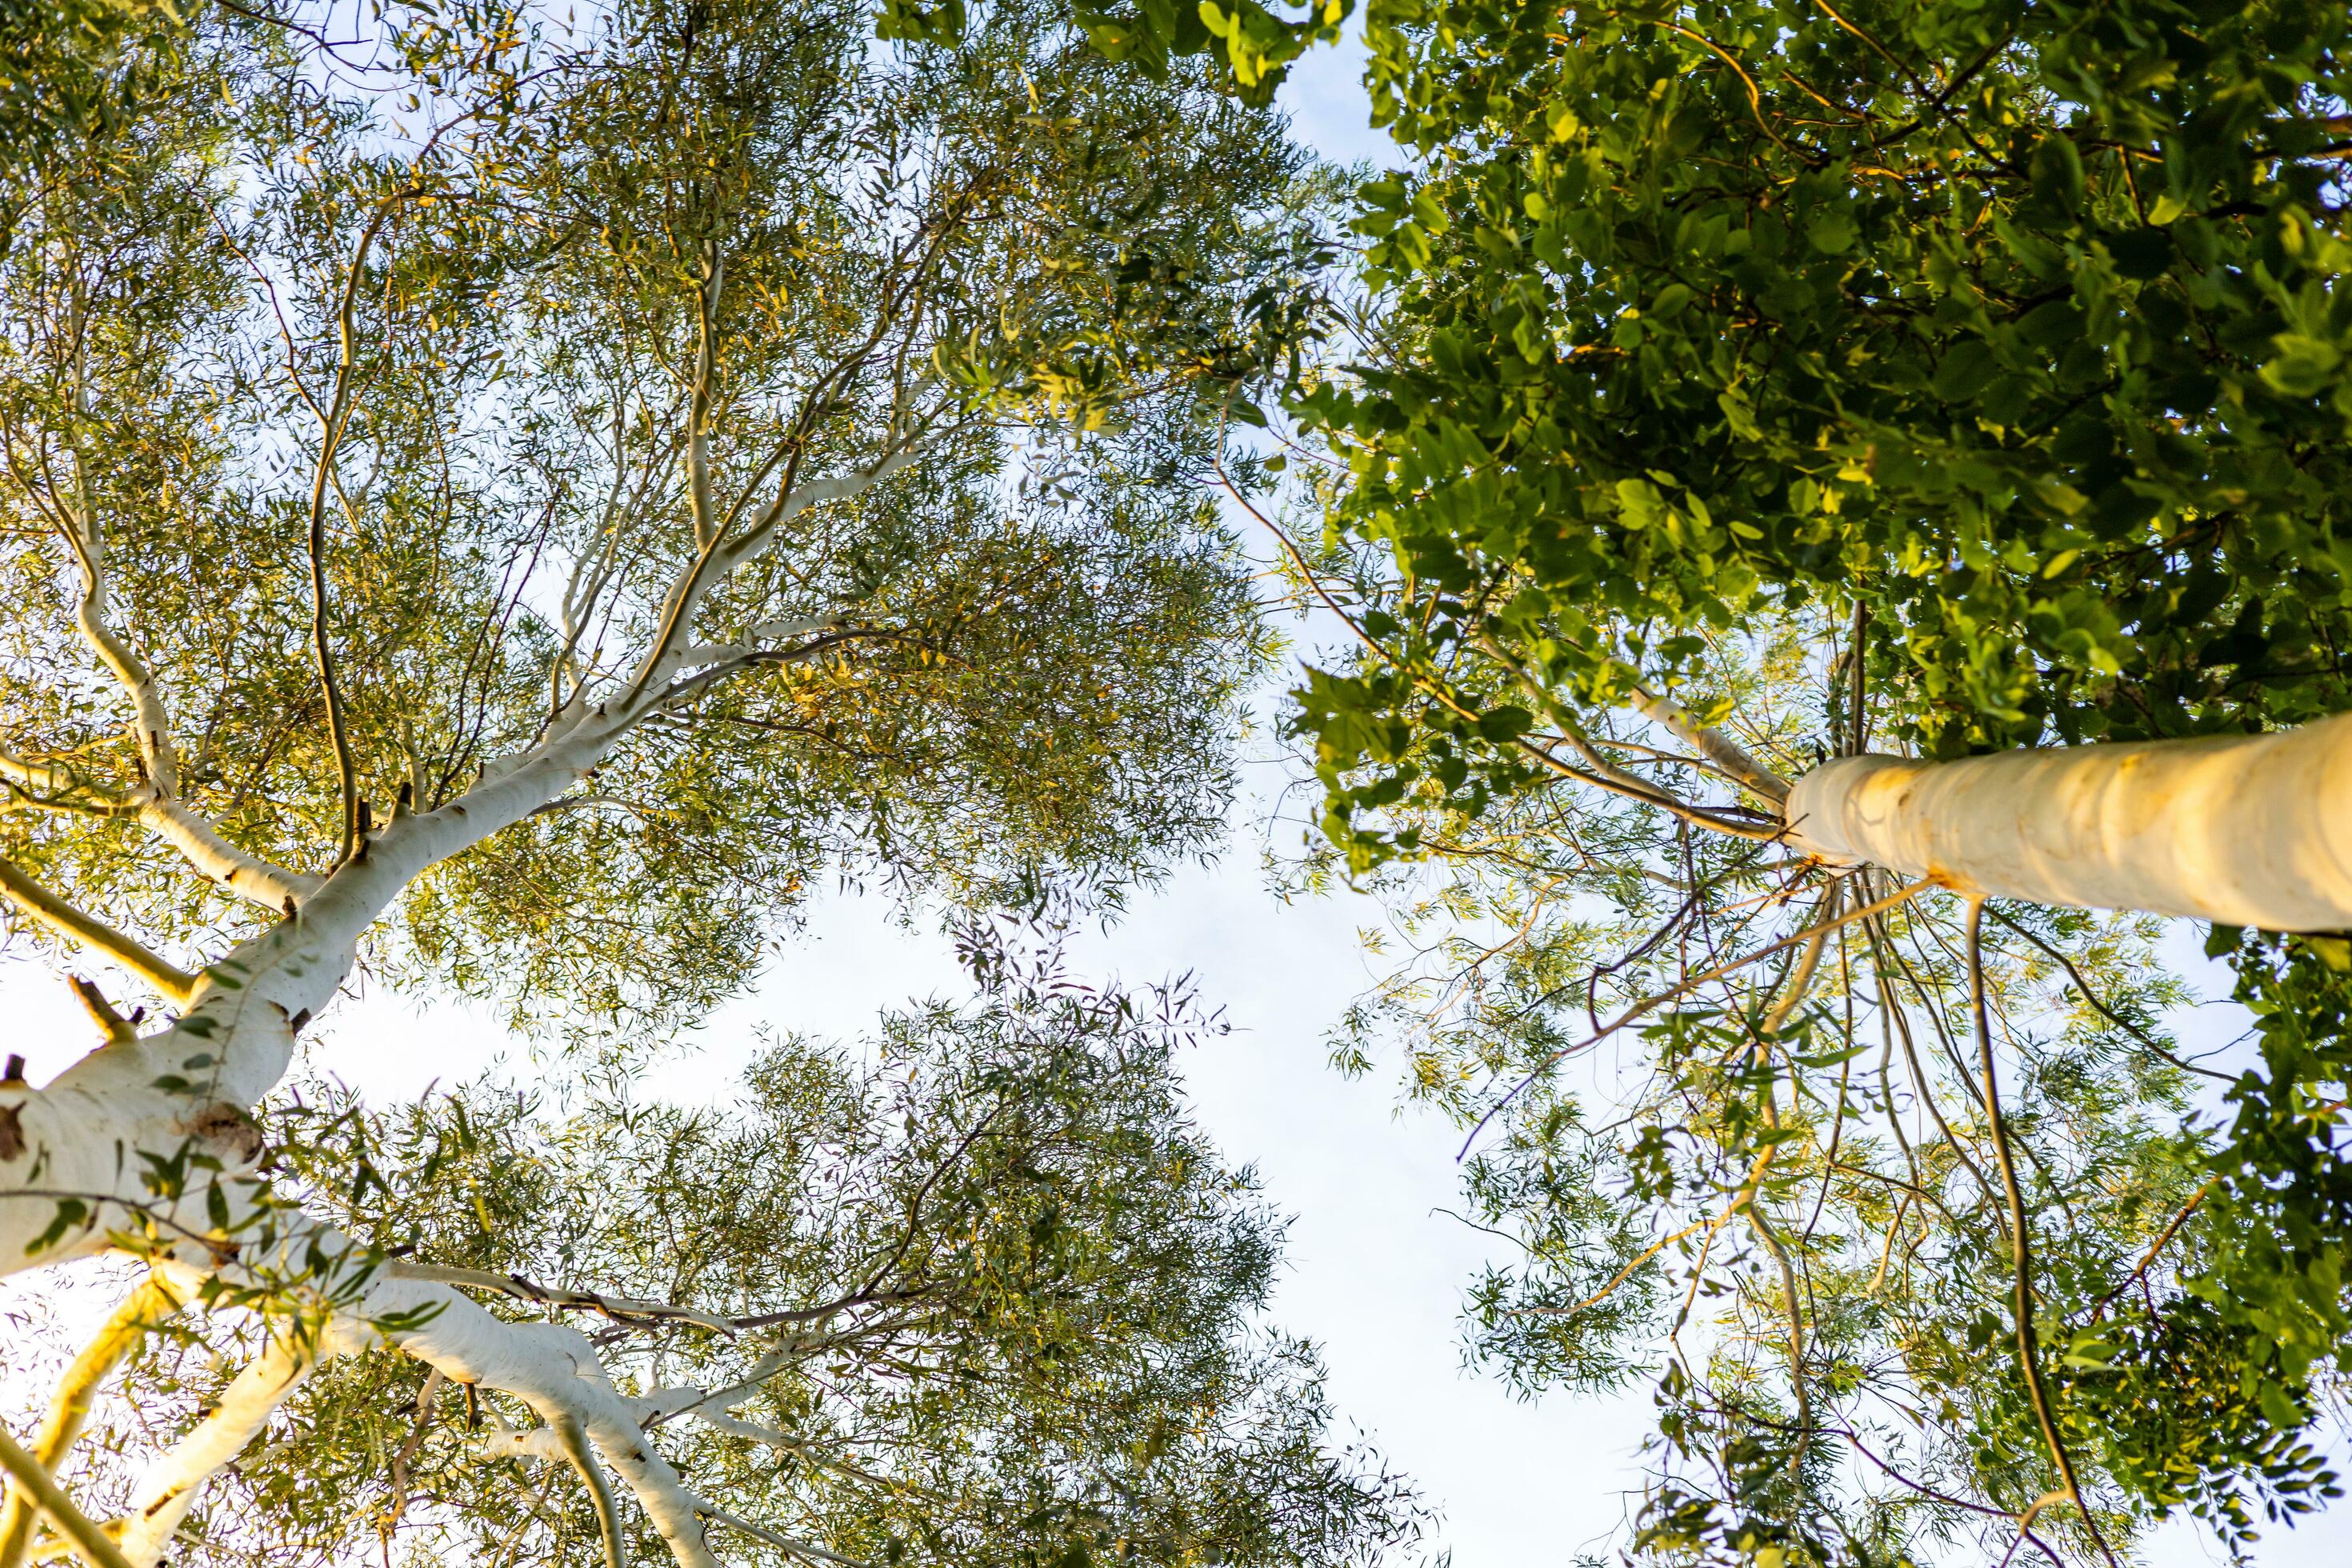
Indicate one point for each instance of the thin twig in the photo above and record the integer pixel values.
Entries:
(1650, 1004)
(2021, 1242)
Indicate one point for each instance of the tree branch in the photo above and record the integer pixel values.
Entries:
(169, 1489)
(1713, 743)
(332, 424)
(175, 984)
(620, 1308)
(30, 1478)
(2029, 1359)
(600, 1492)
(154, 1299)
(796, 1547)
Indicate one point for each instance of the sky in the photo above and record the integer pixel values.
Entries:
(1375, 1267)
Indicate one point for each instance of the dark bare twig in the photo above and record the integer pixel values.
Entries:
(2020, 1236)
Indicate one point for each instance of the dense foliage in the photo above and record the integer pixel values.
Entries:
(1936, 378)
(2017, 332)
(994, 1299)
(453, 312)
(780, 453)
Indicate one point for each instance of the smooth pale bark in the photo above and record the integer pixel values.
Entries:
(552, 1368)
(2252, 830)
(74, 1135)
(171, 1487)
(154, 1299)
(194, 1080)
(1711, 743)
(76, 1140)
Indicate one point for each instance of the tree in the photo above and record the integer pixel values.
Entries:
(1735, 388)
(989, 1299)
(506, 508)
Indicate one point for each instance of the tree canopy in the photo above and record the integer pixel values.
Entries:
(988, 1298)
(1732, 389)
(1822, 496)
(744, 348)
(1789, 377)
(508, 504)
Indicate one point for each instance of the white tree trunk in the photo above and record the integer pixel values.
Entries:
(2251, 830)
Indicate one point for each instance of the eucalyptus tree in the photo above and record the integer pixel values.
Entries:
(1737, 387)
(507, 509)
(987, 1299)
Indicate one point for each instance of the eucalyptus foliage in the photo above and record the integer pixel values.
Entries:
(993, 1297)
(506, 503)
(1933, 378)
(476, 257)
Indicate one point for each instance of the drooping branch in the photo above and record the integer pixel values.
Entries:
(574, 1440)
(791, 1544)
(2029, 1358)
(1650, 1004)
(398, 1507)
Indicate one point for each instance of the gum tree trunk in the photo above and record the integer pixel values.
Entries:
(2251, 830)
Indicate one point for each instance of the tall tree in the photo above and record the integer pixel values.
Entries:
(507, 509)
(988, 1299)
(1740, 390)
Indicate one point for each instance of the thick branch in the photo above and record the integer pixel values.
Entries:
(169, 1490)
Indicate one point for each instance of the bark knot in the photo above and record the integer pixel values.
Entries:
(225, 1124)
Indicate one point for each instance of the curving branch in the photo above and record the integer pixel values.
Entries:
(154, 1299)
(620, 1308)
(1650, 1004)
(721, 558)
(47, 909)
(574, 1441)
(791, 1544)
(2021, 1232)
(333, 422)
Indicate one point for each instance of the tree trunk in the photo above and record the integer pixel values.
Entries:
(2252, 830)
